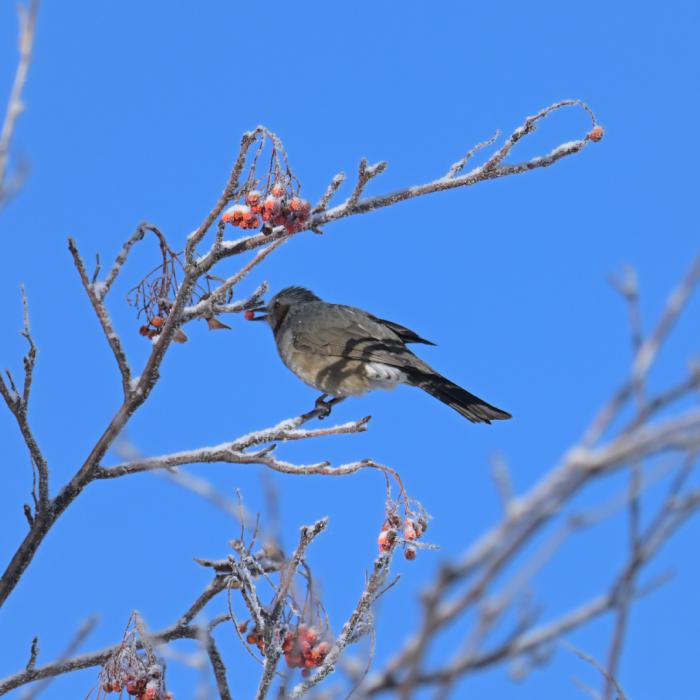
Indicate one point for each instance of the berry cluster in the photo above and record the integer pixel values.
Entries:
(140, 688)
(142, 683)
(302, 646)
(304, 649)
(155, 326)
(276, 208)
(413, 529)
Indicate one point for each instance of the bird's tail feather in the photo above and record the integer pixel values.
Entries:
(471, 407)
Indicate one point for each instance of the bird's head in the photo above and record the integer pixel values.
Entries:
(280, 304)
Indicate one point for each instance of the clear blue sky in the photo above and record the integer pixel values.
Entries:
(135, 111)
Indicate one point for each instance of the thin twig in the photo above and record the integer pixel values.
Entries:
(15, 105)
(96, 295)
(80, 636)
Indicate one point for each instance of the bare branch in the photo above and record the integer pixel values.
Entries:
(102, 290)
(232, 452)
(19, 406)
(96, 295)
(33, 654)
(80, 636)
(332, 188)
(645, 356)
(30, 358)
(15, 105)
(218, 666)
(609, 678)
(364, 174)
(457, 167)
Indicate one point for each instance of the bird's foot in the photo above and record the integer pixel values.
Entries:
(323, 408)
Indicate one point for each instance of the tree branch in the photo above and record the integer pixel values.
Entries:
(15, 105)
(19, 407)
(183, 629)
(96, 295)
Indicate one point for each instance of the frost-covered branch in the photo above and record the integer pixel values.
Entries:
(218, 666)
(182, 629)
(493, 169)
(18, 403)
(273, 630)
(355, 627)
(182, 291)
(96, 295)
(233, 452)
(332, 188)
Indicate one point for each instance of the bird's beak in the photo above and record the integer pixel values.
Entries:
(256, 310)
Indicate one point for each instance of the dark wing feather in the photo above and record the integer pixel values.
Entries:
(406, 334)
(354, 334)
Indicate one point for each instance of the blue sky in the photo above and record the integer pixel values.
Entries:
(135, 112)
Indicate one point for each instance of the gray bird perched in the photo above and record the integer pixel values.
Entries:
(343, 351)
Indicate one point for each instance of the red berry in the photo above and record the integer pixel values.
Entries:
(410, 552)
(596, 133)
(133, 687)
(253, 197)
(386, 540)
(271, 204)
(294, 660)
(278, 189)
(249, 315)
(320, 651)
(409, 531)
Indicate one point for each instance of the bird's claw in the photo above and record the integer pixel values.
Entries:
(323, 408)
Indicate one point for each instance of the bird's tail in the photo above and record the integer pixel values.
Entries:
(471, 407)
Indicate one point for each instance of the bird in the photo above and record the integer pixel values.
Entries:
(344, 351)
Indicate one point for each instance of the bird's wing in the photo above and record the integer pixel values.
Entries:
(349, 333)
(406, 334)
